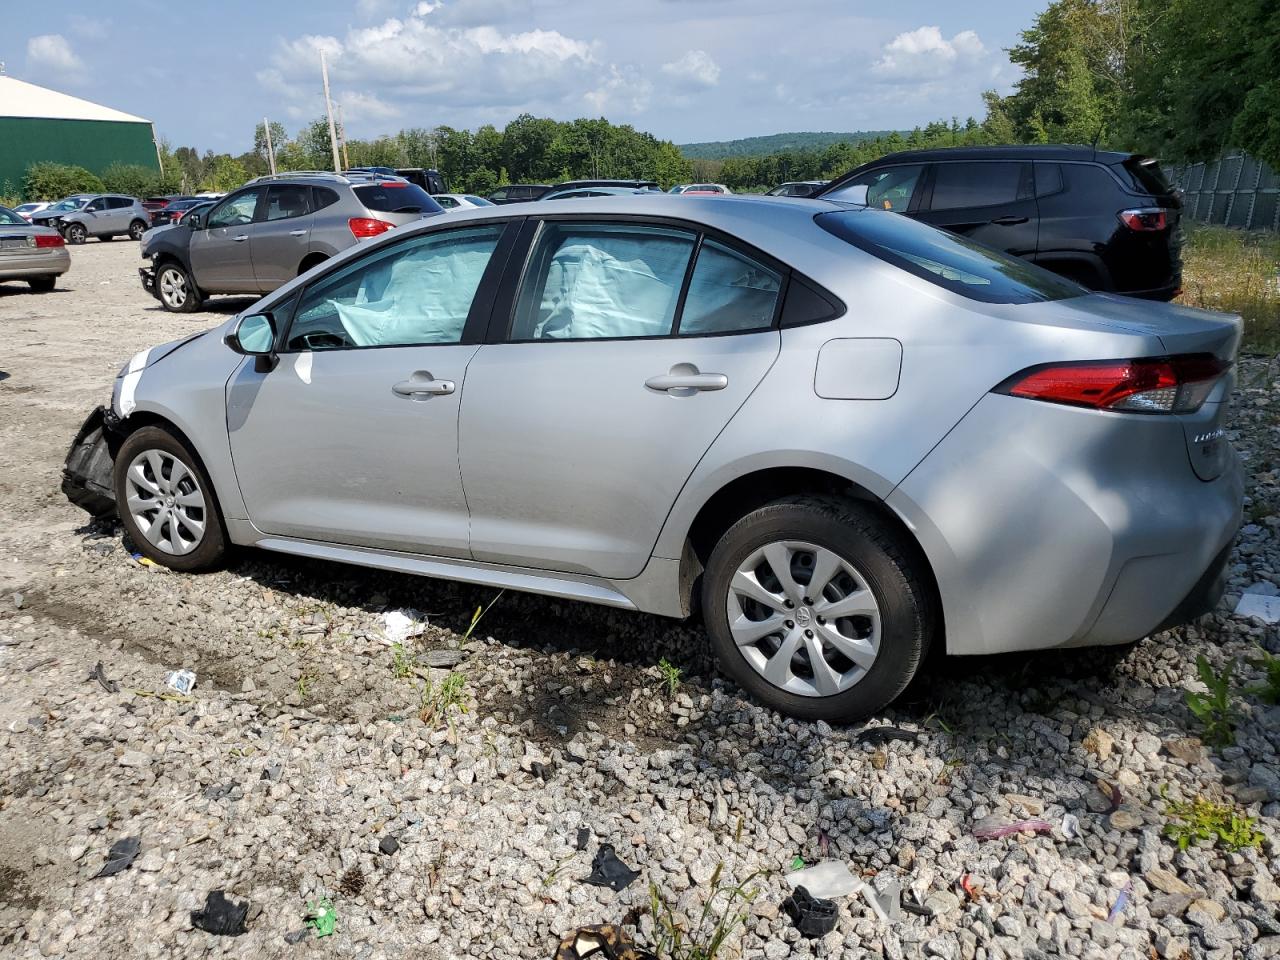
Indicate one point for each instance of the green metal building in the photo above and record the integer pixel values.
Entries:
(38, 124)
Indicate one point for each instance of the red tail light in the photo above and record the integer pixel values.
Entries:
(362, 228)
(1145, 220)
(1149, 385)
(50, 240)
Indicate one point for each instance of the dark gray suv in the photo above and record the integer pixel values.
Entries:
(271, 230)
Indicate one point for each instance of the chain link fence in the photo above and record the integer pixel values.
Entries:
(1236, 190)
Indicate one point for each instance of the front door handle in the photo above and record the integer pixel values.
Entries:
(422, 385)
(1008, 221)
(297, 233)
(684, 380)
(241, 238)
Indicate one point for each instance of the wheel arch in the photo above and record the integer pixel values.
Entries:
(313, 259)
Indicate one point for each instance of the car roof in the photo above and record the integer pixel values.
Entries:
(1038, 151)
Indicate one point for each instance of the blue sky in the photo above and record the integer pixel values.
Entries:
(683, 69)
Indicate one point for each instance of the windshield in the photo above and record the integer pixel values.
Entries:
(396, 197)
(950, 261)
(71, 203)
(9, 218)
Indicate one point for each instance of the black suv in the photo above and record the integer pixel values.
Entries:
(519, 192)
(1108, 220)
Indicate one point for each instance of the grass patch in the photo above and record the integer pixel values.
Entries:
(1239, 272)
(437, 702)
(1200, 819)
(401, 662)
(726, 909)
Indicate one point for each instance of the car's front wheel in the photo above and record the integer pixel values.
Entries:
(137, 229)
(819, 607)
(178, 293)
(166, 502)
(75, 233)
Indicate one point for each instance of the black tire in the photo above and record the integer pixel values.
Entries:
(212, 547)
(75, 233)
(43, 284)
(137, 229)
(167, 293)
(887, 560)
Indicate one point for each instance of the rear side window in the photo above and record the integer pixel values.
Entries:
(396, 197)
(957, 185)
(119, 203)
(322, 197)
(952, 262)
(599, 281)
(1048, 179)
(729, 293)
(1146, 176)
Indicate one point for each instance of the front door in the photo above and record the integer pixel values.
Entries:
(990, 201)
(353, 437)
(279, 242)
(220, 249)
(580, 428)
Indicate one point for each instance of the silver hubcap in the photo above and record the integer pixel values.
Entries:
(165, 502)
(173, 287)
(804, 618)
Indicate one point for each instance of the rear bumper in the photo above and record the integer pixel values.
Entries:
(1051, 526)
(55, 261)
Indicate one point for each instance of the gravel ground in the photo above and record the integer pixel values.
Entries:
(302, 754)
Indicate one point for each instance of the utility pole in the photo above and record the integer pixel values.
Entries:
(271, 154)
(342, 138)
(328, 106)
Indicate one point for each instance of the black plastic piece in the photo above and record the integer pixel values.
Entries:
(812, 917)
(121, 857)
(608, 871)
(87, 475)
(221, 916)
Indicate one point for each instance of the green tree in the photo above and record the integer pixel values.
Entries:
(279, 138)
(223, 173)
(53, 181)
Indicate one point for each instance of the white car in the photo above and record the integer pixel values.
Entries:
(25, 210)
(461, 201)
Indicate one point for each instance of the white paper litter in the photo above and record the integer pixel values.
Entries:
(1264, 608)
(399, 625)
(181, 680)
(825, 880)
(1070, 826)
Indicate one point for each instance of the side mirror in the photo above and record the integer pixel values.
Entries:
(254, 335)
(194, 220)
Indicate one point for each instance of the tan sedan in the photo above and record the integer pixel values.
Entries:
(37, 255)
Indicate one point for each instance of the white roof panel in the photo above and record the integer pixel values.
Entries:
(21, 99)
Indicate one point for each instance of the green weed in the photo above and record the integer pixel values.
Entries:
(670, 676)
(1214, 709)
(1201, 819)
(1269, 690)
(726, 909)
(479, 615)
(401, 662)
(438, 702)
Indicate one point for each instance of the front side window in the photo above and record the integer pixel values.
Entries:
(235, 211)
(593, 281)
(888, 188)
(960, 185)
(729, 293)
(287, 200)
(11, 219)
(412, 293)
(447, 202)
(97, 206)
(952, 262)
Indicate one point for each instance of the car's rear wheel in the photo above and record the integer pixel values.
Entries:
(166, 502)
(819, 607)
(137, 229)
(177, 291)
(43, 284)
(75, 233)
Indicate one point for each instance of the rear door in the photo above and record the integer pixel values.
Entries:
(220, 251)
(990, 201)
(626, 350)
(280, 241)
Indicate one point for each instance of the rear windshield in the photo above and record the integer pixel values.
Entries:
(952, 262)
(395, 197)
(1146, 175)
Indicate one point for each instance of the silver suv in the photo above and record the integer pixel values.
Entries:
(271, 230)
(842, 434)
(101, 215)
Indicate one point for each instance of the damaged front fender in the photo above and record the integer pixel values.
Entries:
(88, 474)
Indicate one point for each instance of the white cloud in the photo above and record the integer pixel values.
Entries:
(90, 28)
(695, 70)
(358, 105)
(622, 88)
(51, 52)
(924, 54)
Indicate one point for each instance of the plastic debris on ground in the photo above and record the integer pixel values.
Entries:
(1259, 606)
(813, 916)
(183, 681)
(992, 828)
(882, 735)
(221, 916)
(322, 918)
(120, 857)
(399, 625)
(97, 673)
(608, 871)
(604, 942)
(1070, 826)
(885, 900)
(297, 936)
(582, 839)
(824, 844)
(1122, 901)
(388, 845)
(971, 889)
(825, 880)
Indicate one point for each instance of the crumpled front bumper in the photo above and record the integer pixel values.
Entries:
(88, 474)
(148, 277)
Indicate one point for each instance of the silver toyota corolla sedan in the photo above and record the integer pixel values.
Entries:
(840, 434)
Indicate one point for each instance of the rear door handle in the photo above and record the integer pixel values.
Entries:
(422, 385)
(1008, 221)
(297, 233)
(684, 380)
(241, 238)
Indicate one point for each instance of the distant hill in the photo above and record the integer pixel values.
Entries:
(774, 143)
